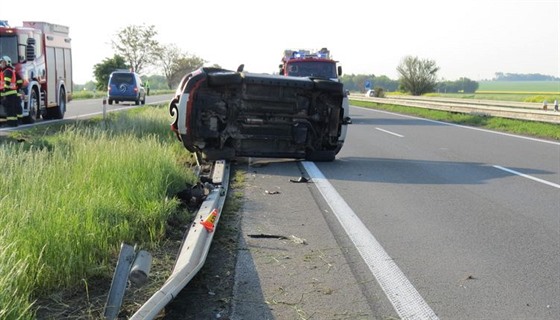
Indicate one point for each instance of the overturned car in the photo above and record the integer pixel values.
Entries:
(223, 114)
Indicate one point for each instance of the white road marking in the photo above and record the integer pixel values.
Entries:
(403, 296)
(389, 132)
(528, 176)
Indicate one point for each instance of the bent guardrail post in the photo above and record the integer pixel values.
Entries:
(120, 279)
(195, 247)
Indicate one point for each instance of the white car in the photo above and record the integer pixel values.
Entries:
(370, 93)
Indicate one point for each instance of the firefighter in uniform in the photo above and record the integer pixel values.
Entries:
(8, 90)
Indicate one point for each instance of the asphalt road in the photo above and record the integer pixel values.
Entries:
(415, 219)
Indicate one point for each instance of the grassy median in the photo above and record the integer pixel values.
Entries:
(537, 129)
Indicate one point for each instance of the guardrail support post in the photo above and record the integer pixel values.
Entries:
(141, 268)
(120, 279)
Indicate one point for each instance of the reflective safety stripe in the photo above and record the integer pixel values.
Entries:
(9, 93)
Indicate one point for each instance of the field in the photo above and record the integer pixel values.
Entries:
(521, 87)
(524, 91)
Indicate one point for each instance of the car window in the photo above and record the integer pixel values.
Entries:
(123, 78)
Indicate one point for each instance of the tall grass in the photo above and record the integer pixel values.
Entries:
(69, 200)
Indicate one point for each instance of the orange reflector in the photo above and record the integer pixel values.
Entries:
(210, 221)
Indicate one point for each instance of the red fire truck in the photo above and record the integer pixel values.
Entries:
(42, 55)
(310, 63)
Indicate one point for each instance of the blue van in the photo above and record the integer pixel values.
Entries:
(126, 86)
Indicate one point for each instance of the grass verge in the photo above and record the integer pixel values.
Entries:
(528, 128)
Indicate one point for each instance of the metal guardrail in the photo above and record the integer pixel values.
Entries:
(497, 110)
(195, 247)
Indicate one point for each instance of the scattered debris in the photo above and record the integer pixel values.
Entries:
(193, 196)
(267, 236)
(300, 180)
(292, 238)
(465, 279)
(298, 240)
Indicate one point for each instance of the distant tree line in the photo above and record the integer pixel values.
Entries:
(463, 85)
(500, 76)
(357, 82)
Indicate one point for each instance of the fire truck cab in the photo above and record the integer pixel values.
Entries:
(309, 63)
(41, 54)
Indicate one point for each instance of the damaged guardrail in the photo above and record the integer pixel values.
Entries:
(133, 266)
(193, 252)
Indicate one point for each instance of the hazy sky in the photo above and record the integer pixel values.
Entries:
(466, 38)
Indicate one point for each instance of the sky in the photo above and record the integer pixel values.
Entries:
(466, 38)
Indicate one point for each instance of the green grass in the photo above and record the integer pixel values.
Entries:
(69, 199)
(503, 96)
(527, 128)
(523, 91)
(552, 87)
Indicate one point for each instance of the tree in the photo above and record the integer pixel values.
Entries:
(177, 64)
(168, 59)
(417, 76)
(464, 85)
(467, 85)
(138, 46)
(102, 71)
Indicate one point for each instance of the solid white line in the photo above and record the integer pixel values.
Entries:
(528, 176)
(403, 296)
(389, 132)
